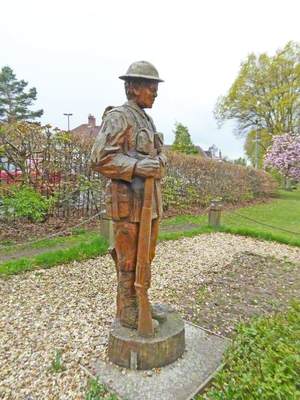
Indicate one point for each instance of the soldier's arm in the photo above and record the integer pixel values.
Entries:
(159, 142)
(108, 155)
(159, 145)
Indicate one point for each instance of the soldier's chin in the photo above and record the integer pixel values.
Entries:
(147, 105)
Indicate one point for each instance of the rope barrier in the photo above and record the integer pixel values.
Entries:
(267, 225)
(60, 233)
(203, 212)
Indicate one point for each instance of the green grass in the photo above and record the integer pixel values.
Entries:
(262, 234)
(92, 246)
(97, 391)
(282, 212)
(263, 361)
(186, 233)
(76, 236)
(57, 363)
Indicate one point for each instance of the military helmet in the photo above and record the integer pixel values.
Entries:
(141, 69)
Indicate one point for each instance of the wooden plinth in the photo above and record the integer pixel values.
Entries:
(127, 349)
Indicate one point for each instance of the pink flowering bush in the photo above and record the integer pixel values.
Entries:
(284, 156)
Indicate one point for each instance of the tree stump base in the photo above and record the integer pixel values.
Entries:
(127, 349)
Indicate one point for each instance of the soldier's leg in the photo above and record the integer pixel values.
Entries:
(113, 254)
(158, 311)
(153, 241)
(126, 237)
(154, 236)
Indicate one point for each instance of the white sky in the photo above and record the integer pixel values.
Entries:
(73, 52)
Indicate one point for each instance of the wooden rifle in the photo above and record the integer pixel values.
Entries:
(145, 325)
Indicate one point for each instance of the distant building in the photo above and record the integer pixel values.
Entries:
(214, 153)
(91, 129)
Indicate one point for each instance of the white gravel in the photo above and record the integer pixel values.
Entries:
(70, 308)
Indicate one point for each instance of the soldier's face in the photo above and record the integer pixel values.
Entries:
(146, 94)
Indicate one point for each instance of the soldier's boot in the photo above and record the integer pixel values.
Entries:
(128, 301)
(159, 313)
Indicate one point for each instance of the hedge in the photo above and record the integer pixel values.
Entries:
(193, 181)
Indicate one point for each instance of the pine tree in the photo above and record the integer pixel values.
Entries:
(183, 142)
(14, 101)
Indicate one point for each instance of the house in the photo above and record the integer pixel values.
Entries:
(214, 153)
(91, 129)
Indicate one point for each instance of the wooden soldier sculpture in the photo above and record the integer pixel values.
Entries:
(128, 150)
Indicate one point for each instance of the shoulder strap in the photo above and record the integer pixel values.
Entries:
(132, 112)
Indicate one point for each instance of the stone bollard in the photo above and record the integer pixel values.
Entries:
(214, 214)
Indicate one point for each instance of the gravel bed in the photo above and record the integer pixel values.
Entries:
(70, 309)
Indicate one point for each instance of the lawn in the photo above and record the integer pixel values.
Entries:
(50, 252)
(263, 357)
(281, 215)
(75, 236)
(283, 212)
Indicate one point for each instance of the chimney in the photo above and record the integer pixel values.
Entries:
(91, 121)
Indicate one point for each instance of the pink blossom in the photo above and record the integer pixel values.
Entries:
(284, 155)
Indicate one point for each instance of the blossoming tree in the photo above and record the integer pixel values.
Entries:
(284, 156)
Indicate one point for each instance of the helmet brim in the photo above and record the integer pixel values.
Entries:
(136, 76)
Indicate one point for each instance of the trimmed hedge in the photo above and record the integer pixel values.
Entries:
(193, 181)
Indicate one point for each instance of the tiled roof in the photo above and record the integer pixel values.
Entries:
(90, 129)
(86, 129)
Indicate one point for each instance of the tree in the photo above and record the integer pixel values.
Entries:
(183, 142)
(14, 100)
(266, 93)
(22, 144)
(284, 156)
(240, 161)
(258, 150)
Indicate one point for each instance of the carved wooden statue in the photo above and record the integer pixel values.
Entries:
(128, 150)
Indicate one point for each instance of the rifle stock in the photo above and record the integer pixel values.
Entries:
(145, 326)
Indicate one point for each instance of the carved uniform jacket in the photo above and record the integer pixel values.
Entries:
(126, 136)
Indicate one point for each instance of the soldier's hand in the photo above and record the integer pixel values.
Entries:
(147, 168)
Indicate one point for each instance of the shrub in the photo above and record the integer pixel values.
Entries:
(25, 202)
(263, 361)
(193, 181)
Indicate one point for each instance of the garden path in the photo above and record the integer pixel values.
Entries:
(214, 280)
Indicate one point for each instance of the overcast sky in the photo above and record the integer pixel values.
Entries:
(74, 51)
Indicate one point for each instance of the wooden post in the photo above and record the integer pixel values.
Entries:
(214, 214)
